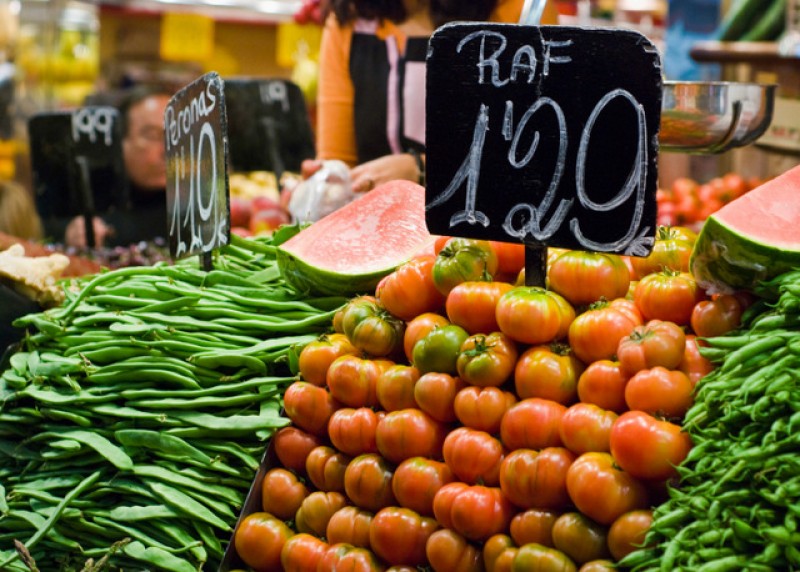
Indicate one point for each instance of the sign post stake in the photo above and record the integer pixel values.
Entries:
(87, 200)
(535, 265)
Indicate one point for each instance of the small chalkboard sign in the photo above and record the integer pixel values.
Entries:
(197, 168)
(76, 159)
(268, 125)
(543, 135)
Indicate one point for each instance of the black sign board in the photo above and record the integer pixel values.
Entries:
(268, 125)
(543, 135)
(197, 171)
(76, 158)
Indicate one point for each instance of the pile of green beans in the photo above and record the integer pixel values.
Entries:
(140, 409)
(737, 504)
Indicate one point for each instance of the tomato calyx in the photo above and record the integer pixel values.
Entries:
(481, 346)
(599, 304)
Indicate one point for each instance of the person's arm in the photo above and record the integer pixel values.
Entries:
(336, 137)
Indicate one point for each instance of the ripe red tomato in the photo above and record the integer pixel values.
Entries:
(672, 249)
(648, 448)
(580, 538)
(602, 383)
(302, 552)
(717, 316)
(693, 364)
(316, 357)
(628, 532)
(399, 535)
(282, 493)
(472, 305)
(418, 328)
(533, 525)
(313, 515)
(538, 557)
(410, 433)
(292, 446)
(349, 525)
(259, 539)
(438, 350)
(533, 315)
(483, 408)
(660, 391)
(435, 394)
(371, 328)
(585, 277)
(595, 333)
(416, 481)
(395, 387)
(668, 295)
(585, 427)
(532, 423)
(656, 343)
(602, 491)
(448, 551)
(463, 260)
(600, 565)
(352, 430)
(344, 556)
(536, 479)
(510, 258)
(409, 290)
(496, 545)
(473, 456)
(325, 468)
(550, 372)
(368, 482)
(353, 380)
(486, 359)
(475, 511)
(309, 406)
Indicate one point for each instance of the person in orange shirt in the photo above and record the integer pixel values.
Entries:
(371, 94)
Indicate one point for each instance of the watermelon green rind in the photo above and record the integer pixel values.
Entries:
(312, 280)
(754, 238)
(348, 251)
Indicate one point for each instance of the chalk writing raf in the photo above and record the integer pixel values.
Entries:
(545, 104)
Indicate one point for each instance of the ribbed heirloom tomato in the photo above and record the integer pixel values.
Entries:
(410, 433)
(349, 525)
(473, 456)
(602, 383)
(628, 532)
(463, 260)
(660, 391)
(541, 558)
(596, 332)
(533, 525)
(417, 328)
(368, 482)
(693, 364)
(316, 510)
(325, 467)
(536, 479)
(472, 305)
(282, 493)
(580, 538)
(648, 448)
(585, 427)
(550, 372)
(483, 408)
(487, 359)
(448, 551)
(399, 535)
(532, 423)
(394, 387)
(416, 481)
(656, 343)
(316, 356)
(602, 491)
(353, 380)
(435, 393)
(292, 446)
(352, 430)
(309, 406)
(475, 511)
(671, 249)
(259, 540)
(533, 315)
(409, 290)
(585, 277)
(371, 328)
(668, 295)
(302, 552)
(348, 557)
(717, 316)
(438, 350)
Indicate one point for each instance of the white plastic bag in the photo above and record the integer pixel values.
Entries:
(325, 191)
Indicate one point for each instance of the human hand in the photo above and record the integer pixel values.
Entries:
(369, 175)
(75, 233)
(310, 166)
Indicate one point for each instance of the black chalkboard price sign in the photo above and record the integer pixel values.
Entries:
(268, 125)
(197, 170)
(76, 159)
(543, 135)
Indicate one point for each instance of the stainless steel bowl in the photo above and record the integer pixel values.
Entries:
(712, 117)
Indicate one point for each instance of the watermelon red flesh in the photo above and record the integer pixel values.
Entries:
(350, 250)
(753, 238)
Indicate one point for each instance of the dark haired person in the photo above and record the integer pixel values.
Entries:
(143, 150)
(371, 98)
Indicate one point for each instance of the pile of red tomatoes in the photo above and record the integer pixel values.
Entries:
(459, 420)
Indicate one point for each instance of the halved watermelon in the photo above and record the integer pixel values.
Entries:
(351, 249)
(753, 238)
